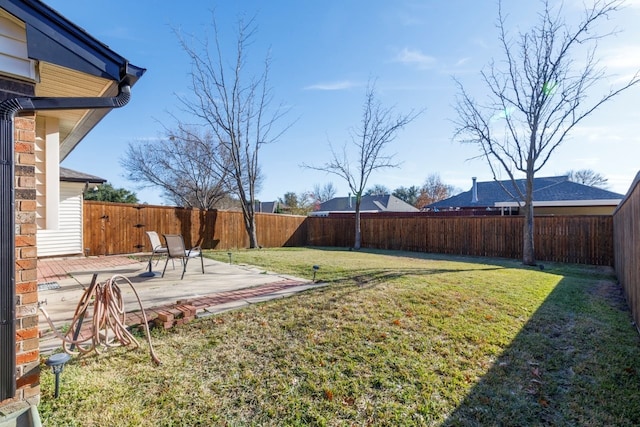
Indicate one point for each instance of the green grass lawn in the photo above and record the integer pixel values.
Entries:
(395, 338)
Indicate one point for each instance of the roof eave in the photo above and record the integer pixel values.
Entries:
(559, 203)
(53, 38)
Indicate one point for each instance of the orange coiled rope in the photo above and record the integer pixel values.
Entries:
(108, 328)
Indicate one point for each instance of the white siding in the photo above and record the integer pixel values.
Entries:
(67, 239)
(13, 48)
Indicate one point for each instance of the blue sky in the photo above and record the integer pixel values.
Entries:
(323, 54)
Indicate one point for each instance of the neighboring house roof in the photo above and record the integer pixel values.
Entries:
(386, 203)
(70, 63)
(69, 175)
(552, 191)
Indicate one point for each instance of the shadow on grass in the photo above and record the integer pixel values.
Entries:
(365, 278)
(575, 362)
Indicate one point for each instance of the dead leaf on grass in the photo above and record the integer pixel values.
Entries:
(328, 394)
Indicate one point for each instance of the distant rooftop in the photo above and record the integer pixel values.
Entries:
(382, 203)
(69, 175)
(546, 189)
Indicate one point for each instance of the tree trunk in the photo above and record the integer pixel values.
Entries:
(528, 250)
(250, 225)
(356, 244)
(253, 236)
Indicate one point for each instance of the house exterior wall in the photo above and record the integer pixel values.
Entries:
(84, 68)
(59, 209)
(67, 238)
(17, 79)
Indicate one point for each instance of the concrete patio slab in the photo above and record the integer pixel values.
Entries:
(222, 287)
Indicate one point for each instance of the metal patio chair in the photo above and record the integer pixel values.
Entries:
(156, 245)
(156, 249)
(176, 249)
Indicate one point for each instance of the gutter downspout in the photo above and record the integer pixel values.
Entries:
(8, 111)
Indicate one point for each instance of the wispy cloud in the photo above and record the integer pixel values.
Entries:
(415, 57)
(339, 85)
(410, 19)
(633, 3)
(479, 42)
(462, 61)
(598, 134)
(585, 161)
(620, 63)
(622, 57)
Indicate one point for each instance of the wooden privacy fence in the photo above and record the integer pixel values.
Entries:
(570, 239)
(117, 228)
(112, 228)
(626, 236)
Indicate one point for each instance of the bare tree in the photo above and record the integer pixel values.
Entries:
(323, 193)
(378, 128)
(539, 92)
(235, 106)
(433, 190)
(184, 164)
(588, 177)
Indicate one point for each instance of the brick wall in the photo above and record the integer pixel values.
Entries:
(27, 343)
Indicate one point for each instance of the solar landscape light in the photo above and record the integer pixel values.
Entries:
(57, 362)
(230, 254)
(315, 270)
